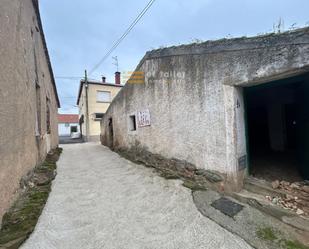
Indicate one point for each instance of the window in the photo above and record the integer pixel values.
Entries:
(98, 116)
(132, 123)
(67, 125)
(38, 111)
(47, 115)
(103, 96)
(73, 129)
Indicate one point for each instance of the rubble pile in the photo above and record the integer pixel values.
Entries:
(295, 198)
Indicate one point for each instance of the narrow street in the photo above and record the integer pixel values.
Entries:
(100, 200)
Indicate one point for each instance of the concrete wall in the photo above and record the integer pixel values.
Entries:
(195, 97)
(23, 65)
(82, 110)
(65, 129)
(95, 107)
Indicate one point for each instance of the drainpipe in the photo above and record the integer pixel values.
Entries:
(87, 107)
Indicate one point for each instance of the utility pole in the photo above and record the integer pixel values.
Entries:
(87, 107)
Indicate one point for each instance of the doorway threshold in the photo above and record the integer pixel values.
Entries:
(290, 208)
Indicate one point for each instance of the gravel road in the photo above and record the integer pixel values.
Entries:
(100, 200)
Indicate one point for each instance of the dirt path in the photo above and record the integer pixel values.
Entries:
(100, 200)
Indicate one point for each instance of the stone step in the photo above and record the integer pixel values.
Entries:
(249, 220)
(257, 201)
(262, 187)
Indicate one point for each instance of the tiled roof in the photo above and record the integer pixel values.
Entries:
(67, 118)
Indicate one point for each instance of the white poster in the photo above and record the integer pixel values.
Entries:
(143, 118)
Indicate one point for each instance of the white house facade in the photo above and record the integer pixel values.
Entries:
(68, 124)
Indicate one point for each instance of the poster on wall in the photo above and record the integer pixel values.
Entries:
(143, 118)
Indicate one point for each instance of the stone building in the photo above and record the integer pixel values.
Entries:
(93, 100)
(236, 107)
(28, 96)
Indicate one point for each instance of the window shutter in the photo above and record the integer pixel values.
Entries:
(103, 96)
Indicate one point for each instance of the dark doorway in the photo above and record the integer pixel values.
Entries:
(111, 133)
(81, 123)
(73, 129)
(277, 129)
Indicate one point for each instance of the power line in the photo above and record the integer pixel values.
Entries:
(68, 106)
(128, 30)
(68, 77)
(73, 78)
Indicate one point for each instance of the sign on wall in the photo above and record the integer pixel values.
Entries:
(143, 118)
(242, 162)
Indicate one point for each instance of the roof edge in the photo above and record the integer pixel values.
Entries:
(233, 44)
(93, 83)
(37, 11)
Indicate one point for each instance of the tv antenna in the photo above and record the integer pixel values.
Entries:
(115, 58)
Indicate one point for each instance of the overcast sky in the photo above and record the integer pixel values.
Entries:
(80, 32)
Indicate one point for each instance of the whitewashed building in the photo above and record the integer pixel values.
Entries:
(225, 107)
(67, 124)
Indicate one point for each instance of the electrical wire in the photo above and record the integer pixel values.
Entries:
(68, 77)
(73, 78)
(115, 45)
(128, 30)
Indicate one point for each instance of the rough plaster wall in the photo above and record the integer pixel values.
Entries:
(241, 148)
(260, 65)
(22, 63)
(82, 110)
(187, 114)
(201, 118)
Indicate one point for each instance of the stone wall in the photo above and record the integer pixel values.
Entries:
(26, 89)
(194, 96)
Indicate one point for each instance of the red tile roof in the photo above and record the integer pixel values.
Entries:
(67, 118)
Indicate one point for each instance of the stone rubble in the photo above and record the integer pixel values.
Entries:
(296, 196)
(176, 169)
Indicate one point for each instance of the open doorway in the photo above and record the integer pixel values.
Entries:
(73, 129)
(111, 133)
(277, 115)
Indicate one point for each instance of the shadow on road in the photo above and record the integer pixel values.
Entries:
(69, 140)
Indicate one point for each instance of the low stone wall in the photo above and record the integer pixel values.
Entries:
(172, 168)
(19, 222)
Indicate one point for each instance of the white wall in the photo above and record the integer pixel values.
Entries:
(194, 96)
(66, 130)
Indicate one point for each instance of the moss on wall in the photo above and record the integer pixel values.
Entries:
(19, 222)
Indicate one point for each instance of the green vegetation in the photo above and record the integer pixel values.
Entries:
(294, 245)
(194, 186)
(269, 234)
(169, 175)
(266, 233)
(19, 222)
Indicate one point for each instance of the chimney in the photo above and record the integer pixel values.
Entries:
(117, 78)
(103, 79)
